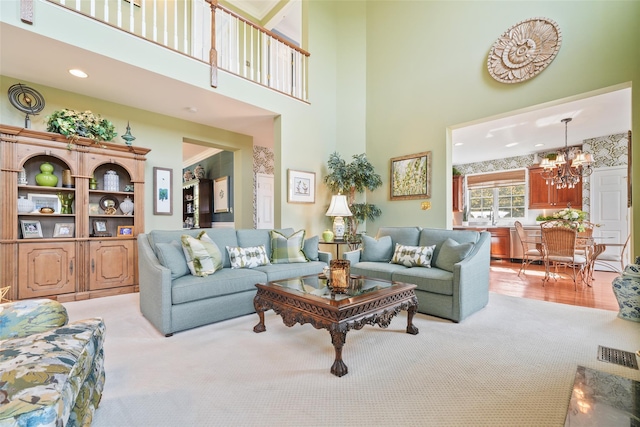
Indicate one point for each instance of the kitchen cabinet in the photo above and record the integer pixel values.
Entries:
(458, 193)
(500, 242)
(543, 196)
(84, 246)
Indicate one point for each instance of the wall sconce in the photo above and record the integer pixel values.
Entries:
(425, 206)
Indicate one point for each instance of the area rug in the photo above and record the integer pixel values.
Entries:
(512, 363)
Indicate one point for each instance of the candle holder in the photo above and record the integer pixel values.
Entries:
(340, 274)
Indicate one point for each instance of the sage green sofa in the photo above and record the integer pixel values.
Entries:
(173, 299)
(457, 283)
(51, 371)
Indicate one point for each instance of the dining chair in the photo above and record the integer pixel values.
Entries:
(612, 260)
(531, 250)
(559, 249)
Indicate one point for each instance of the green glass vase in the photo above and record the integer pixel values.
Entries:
(46, 178)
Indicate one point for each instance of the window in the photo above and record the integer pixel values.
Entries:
(500, 195)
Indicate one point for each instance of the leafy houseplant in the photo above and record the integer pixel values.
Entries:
(74, 124)
(465, 214)
(349, 179)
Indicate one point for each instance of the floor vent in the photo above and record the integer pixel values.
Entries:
(619, 357)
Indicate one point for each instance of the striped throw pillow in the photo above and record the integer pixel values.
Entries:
(287, 249)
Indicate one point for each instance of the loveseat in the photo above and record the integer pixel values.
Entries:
(174, 299)
(449, 267)
(51, 371)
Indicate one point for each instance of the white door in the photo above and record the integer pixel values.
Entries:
(264, 201)
(609, 207)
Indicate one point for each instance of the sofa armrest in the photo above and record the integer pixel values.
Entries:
(471, 279)
(155, 287)
(325, 257)
(23, 318)
(352, 256)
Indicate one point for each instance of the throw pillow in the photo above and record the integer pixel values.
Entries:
(413, 256)
(452, 252)
(287, 249)
(202, 254)
(171, 256)
(310, 248)
(249, 257)
(379, 250)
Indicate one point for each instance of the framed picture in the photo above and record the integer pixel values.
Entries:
(94, 209)
(30, 229)
(221, 195)
(302, 186)
(411, 176)
(100, 228)
(125, 231)
(162, 184)
(45, 201)
(64, 229)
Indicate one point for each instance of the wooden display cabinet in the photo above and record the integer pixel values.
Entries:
(65, 259)
(543, 196)
(197, 204)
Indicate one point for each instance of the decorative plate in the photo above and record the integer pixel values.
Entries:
(109, 201)
(524, 50)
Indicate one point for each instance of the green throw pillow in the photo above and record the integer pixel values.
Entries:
(202, 254)
(171, 255)
(379, 250)
(452, 253)
(413, 256)
(249, 257)
(287, 249)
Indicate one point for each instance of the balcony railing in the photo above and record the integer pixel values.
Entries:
(186, 26)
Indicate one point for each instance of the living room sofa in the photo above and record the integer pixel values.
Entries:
(454, 286)
(51, 371)
(173, 299)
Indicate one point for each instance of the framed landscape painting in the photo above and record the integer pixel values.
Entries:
(411, 176)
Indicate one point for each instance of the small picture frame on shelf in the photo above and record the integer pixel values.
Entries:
(63, 229)
(45, 201)
(94, 209)
(31, 229)
(100, 228)
(125, 231)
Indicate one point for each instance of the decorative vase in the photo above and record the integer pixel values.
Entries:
(22, 177)
(626, 288)
(327, 236)
(126, 206)
(66, 200)
(46, 178)
(199, 172)
(25, 205)
(93, 184)
(111, 181)
(67, 179)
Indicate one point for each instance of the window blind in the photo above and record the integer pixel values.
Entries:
(497, 179)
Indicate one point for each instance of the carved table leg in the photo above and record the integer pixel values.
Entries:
(260, 309)
(338, 338)
(411, 328)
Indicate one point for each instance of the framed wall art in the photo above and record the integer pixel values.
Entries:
(221, 195)
(31, 229)
(302, 186)
(162, 184)
(411, 176)
(63, 229)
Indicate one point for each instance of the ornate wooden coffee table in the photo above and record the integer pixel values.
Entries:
(308, 300)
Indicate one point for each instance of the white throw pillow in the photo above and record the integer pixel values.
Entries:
(413, 256)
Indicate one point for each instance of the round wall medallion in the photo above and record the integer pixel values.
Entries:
(524, 50)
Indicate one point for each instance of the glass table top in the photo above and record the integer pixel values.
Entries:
(317, 286)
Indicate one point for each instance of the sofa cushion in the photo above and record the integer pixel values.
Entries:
(225, 282)
(452, 252)
(376, 270)
(202, 254)
(256, 237)
(404, 235)
(222, 236)
(287, 271)
(171, 255)
(432, 280)
(413, 256)
(250, 257)
(437, 236)
(310, 248)
(376, 250)
(287, 249)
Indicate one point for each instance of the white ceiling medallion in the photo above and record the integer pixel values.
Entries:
(524, 50)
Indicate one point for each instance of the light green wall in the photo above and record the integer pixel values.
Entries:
(426, 71)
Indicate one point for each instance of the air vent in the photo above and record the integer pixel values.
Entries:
(619, 357)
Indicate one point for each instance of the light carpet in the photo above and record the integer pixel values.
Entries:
(511, 364)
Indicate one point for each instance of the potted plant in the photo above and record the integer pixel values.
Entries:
(465, 215)
(74, 124)
(349, 179)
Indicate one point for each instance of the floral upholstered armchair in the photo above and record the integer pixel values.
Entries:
(51, 371)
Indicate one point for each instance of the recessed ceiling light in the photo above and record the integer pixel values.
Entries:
(539, 145)
(78, 73)
(192, 109)
(457, 144)
(512, 144)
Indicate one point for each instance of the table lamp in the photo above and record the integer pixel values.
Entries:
(338, 209)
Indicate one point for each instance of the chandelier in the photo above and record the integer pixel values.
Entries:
(568, 167)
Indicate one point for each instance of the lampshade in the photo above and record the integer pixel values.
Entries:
(339, 206)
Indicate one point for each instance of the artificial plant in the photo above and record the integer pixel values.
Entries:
(73, 124)
(349, 179)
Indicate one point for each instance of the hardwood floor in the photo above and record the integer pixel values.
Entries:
(504, 280)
